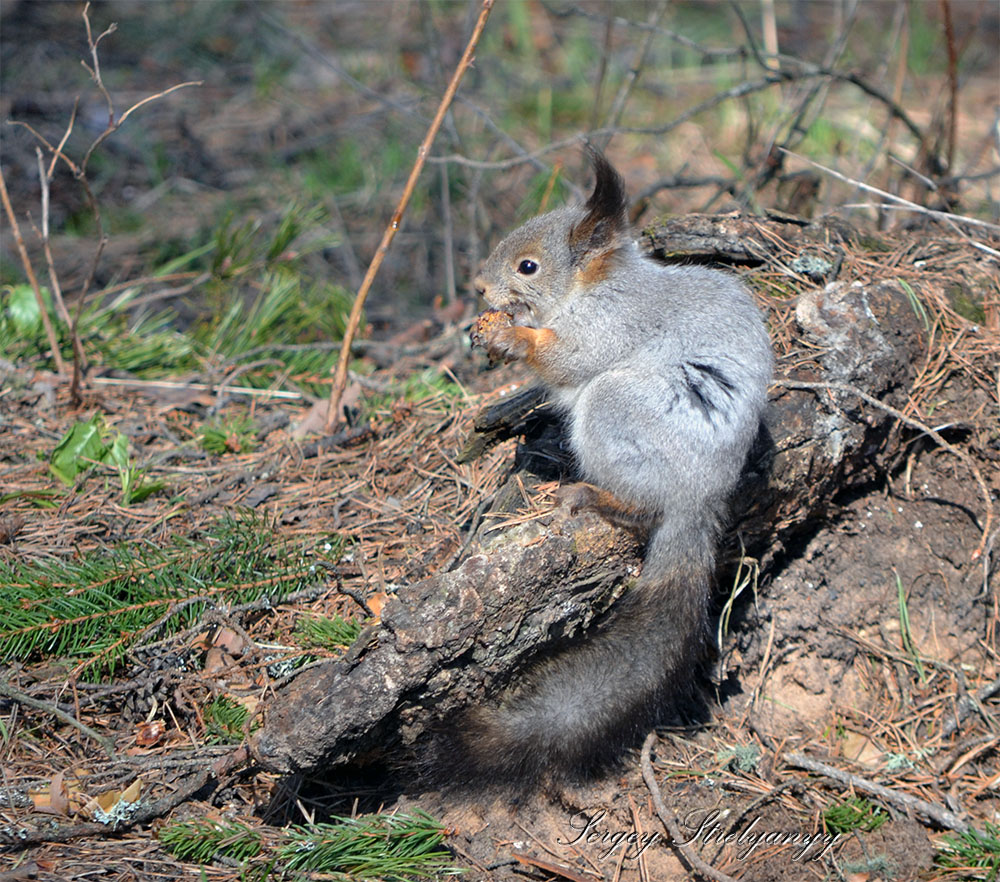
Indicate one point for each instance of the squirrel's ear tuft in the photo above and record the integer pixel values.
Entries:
(607, 210)
(608, 199)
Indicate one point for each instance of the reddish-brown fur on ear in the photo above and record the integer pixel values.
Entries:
(607, 210)
(596, 268)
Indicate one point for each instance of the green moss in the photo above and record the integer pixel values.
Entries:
(873, 243)
(967, 304)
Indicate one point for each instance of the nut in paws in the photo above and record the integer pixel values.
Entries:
(490, 331)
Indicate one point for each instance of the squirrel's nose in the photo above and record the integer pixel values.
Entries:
(479, 283)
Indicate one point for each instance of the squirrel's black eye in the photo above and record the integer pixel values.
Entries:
(527, 267)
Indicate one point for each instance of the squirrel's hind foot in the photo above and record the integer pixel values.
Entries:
(582, 496)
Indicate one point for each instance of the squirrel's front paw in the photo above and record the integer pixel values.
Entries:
(503, 340)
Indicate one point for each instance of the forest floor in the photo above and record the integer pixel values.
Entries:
(863, 648)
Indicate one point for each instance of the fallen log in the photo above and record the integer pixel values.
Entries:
(448, 640)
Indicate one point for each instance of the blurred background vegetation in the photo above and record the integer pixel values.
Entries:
(244, 211)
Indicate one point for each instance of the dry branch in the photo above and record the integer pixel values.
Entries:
(79, 172)
(447, 633)
(905, 802)
(945, 216)
(340, 373)
(32, 279)
(185, 789)
(7, 690)
(691, 857)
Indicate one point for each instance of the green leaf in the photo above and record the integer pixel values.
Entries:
(117, 452)
(22, 307)
(79, 448)
(91, 607)
(324, 633)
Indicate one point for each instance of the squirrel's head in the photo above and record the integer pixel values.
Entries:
(559, 254)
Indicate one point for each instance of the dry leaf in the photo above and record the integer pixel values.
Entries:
(58, 797)
(249, 702)
(133, 791)
(862, 749)
(217, 662)
(106, 802)
(376, 602)
(52, 800)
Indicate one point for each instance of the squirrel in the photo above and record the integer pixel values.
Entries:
(660, 373)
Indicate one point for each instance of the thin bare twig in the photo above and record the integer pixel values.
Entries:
(95, 71)
(179, 386)
(30, 273)
(340, 375)
(602, 73)
(689, 855)
(946, 216)
(498, 131)
(350, 258)
(328, 60)
(910, 170)
(114, 126)
(766, 63)
(799, 127)
(881, 206)
(740, 90)
(680, 39)
(949, 32)
(737, 91)
(678, 182)
(968, 704)
(45, 179)
(57, 299)
(57, 152)
(450, 289)
(894, 108)
(79, 172)
(807, 69)
(635, 68)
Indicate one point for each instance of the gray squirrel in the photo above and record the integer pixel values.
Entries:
(660, 373)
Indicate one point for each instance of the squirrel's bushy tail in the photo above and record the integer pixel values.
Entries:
(578, 711)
